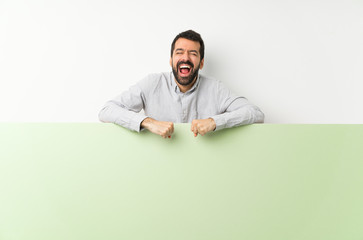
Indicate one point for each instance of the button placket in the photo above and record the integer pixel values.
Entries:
(184, 110)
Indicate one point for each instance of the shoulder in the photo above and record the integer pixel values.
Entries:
(153, 80)
(215, 86)
(207, 82)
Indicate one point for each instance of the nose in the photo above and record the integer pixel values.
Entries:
(186, 56)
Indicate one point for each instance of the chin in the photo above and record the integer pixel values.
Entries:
(185, 81)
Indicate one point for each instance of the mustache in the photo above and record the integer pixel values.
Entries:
(185, 62)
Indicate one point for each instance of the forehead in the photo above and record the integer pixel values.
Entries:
(187, 44)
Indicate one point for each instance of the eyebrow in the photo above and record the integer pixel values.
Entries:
(182, 49)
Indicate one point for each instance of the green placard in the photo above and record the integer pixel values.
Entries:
(257, 182)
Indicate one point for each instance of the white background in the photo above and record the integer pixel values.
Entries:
(299, 61)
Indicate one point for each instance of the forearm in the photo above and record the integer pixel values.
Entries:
(113, 113)
(247, 114)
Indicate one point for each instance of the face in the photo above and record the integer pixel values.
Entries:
(185, 61)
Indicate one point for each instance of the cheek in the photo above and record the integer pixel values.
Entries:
(175, 61)
(196, 62)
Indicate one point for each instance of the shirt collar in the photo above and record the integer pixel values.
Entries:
(176, 87)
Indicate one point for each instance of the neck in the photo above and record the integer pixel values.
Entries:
(185, 88)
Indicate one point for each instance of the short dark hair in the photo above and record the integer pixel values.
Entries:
(190, 35)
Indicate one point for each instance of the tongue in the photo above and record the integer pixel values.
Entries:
(184, 70)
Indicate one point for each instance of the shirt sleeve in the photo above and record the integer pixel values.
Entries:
(235, 110)
(124, 110)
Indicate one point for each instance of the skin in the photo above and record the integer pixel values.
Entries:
(185, 51)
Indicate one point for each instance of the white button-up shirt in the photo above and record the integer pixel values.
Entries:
(161, 99)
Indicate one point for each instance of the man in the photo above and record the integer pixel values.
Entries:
(180, 96)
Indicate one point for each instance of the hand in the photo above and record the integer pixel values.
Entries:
(164, 129)
(202, 126)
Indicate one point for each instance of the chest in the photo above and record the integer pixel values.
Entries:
(180, 107)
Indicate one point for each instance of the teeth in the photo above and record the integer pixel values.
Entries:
(185, 67)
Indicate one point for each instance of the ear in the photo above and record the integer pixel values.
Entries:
(171, 62)
(201, 64)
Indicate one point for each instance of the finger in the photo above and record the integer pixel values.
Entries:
(195, 132)
(165, 133)
(172, 127)
(194, 125)
(196, 128)
(170, 132)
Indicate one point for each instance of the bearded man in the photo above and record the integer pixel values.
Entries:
(181, 96)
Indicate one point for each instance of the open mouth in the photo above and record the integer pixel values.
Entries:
(185, 69)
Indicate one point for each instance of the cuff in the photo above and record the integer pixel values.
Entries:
(136, 123)
(220, 122)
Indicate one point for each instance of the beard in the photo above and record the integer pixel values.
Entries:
(185, 81)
